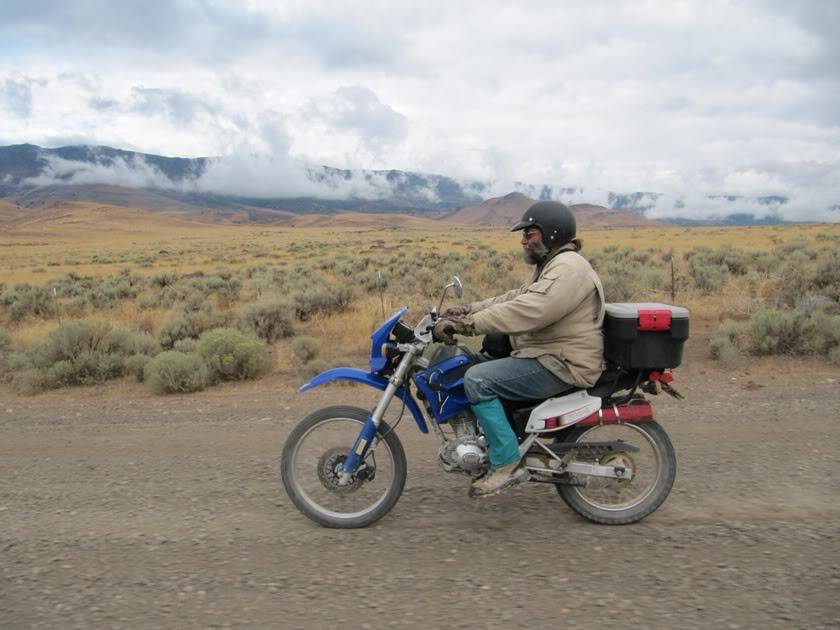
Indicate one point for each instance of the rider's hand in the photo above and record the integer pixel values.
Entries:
(445, 328)
(443, 331)
(456, 311)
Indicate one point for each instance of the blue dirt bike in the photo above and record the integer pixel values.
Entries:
(609, 460)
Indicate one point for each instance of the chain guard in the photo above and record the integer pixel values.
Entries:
(592, 450)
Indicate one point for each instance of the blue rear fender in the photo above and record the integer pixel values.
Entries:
(379, 382)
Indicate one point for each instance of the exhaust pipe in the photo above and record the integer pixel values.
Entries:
(636, 413)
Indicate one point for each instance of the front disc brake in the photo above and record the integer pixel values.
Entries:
(330, 466)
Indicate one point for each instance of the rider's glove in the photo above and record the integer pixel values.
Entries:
(456, 311)
(443, 331)
(446, 328)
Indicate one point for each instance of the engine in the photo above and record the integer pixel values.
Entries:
(466, 451)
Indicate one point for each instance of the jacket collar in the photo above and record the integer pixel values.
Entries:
(568, 247)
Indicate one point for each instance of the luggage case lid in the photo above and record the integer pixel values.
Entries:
(633, 310)
(650, 316)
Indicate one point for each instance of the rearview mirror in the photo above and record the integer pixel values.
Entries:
(457, 289)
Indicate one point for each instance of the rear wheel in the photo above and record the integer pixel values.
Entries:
(312, 460)
(623, 501)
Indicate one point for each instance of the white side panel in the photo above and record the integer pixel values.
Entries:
(567, 409)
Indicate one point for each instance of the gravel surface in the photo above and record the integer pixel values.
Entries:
(122, 509)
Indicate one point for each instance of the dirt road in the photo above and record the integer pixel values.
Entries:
(123, 509)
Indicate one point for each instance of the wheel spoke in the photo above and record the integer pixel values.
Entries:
(317, 461)
(645, 466)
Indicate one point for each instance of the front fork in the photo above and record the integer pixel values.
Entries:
(356, 455)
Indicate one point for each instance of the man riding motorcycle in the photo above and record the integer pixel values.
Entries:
(554, 323)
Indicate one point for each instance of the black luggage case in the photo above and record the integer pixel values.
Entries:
(645, 335)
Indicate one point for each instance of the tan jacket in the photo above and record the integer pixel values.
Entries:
(557, 318)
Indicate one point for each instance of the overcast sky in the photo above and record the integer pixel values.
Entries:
(684, 98)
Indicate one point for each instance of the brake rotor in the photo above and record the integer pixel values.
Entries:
(330, 465)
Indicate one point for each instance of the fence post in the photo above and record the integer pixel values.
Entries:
(673, 284)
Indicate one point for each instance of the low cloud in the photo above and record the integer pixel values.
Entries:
(246, 173)
(131, 173)
(241, 173)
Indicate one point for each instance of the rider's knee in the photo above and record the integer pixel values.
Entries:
(476, 386)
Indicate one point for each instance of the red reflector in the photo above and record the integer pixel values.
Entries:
(552, 423)
(654, 320)
(665, 377)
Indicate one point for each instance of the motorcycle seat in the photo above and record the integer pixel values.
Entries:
(612, 380)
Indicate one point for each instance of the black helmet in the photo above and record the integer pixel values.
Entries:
(554, 219)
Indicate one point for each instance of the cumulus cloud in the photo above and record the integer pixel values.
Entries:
(699, 101)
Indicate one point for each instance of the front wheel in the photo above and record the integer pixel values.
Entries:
(314, 456)
(620, 501)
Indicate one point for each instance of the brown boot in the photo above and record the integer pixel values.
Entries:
(497, 480)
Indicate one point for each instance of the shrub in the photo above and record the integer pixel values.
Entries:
(147, 300)
(834, 355)
(173, 372)
(267, 280)
(5, 354)
(135, 364)
(190, 326)
(186, 345)
(175, 330)
(341, 362)
(709, 278)
(824, 332)
(127, 343)
(5, 341)
(810, 304)
(314, 368)
(164, 279)
(75, 353)
(827, 276)
(269, 319)
(85, 352)
(727, 343)
(729, 333)
(777, 332)
(373, 281)
(232, 355)
(796, 248)
(326, 300)
(305, 349)
(24, 300)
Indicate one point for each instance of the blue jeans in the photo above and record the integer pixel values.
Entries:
(511, 378)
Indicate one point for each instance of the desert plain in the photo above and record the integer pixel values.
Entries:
(124, 508)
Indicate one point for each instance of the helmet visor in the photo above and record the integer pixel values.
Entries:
(522, 224)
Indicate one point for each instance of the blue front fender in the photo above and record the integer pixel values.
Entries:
(379, 382)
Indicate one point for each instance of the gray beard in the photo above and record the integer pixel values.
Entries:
(534, 253)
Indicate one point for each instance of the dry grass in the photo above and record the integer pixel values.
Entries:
(95, 240)
(100, 240)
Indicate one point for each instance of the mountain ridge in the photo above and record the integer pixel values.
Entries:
(33, 176)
